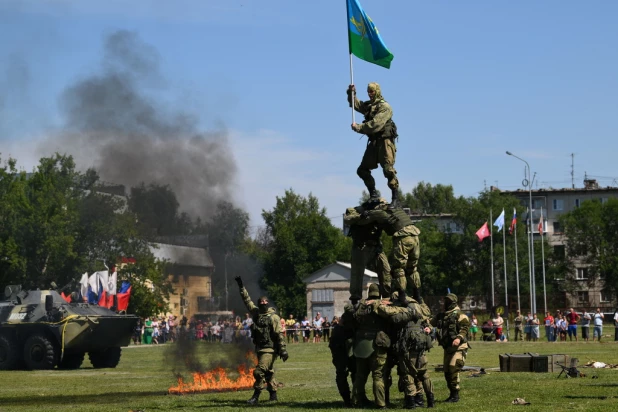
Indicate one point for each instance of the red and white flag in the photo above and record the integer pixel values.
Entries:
(483, 232)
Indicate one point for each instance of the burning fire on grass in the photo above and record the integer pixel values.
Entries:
(217, 380)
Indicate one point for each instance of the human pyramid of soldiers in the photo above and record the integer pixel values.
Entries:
(392, 326)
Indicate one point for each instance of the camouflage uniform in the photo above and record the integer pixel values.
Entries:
(366, 254)
(406, 246)
(269, 342)
(370, 349)
(452, 324)
(519, 328)
(341, 343)
(411, 343)
(380, 131)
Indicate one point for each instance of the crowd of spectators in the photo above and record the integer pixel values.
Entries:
(228, 330)
(558, 327)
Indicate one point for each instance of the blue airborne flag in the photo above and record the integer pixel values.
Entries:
(364, 39)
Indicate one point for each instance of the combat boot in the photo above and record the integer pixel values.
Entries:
(373, 194)
(409, 403)
(431, 401)
(255, 398)
(395, 199)
(418, 400)
(273, 396)
(454, 397)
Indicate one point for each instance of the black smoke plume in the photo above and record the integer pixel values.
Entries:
(117, 125)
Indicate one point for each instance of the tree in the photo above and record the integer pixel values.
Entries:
(591, 233)
(156, 208)
(303, 241)
(54, 226)
(428, 199)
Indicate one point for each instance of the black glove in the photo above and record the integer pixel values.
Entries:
(351, 89)
(284, 355)
(238, 280)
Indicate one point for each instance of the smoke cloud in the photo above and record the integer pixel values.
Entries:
(115, 124)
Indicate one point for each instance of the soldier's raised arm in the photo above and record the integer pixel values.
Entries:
(245, 296)
(359, 106)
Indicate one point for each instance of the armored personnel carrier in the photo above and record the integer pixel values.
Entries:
(40, 330)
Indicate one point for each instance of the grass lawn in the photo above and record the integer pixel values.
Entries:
(144, 375)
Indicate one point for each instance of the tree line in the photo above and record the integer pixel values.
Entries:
(57, 222)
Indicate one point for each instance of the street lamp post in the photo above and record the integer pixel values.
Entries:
(530, 233)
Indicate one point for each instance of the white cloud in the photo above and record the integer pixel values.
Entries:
(269, 164)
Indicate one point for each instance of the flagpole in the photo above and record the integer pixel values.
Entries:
(506, 291)
(491, 238)
(529, 224)
(516, 262)
(353, 94)
(542, 231)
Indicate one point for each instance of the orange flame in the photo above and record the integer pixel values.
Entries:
(217, 380)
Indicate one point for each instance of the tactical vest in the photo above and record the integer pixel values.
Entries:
(397, 220)
(261, 330)
(448, 328)
(390, 128)
(369, 326)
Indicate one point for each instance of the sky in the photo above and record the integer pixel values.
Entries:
(469, 81)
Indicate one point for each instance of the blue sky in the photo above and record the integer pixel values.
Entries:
(469, 81)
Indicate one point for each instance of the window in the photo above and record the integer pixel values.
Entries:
(322, 295)
(577, 204)
(560, 251)
(557, 227)
(582, 274)
(537, 203)
(605, 297)
(582, 296)
(558, 204)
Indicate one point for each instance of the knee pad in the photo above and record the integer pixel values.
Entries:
(363, 173)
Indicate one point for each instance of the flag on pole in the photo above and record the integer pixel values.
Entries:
(513, 222)
(499, 223)
(364, 40)
(541, 223)
(483, 232)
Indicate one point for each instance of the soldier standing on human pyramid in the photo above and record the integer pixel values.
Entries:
(269, 343)
(381, 133)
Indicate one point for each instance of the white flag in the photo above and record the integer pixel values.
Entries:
(93, 282)
(499, 223)
(103, 276)
(84, 285)
(113, 280)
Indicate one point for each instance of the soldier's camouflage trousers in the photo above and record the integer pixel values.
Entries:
(404, 263)
(416, 376)
(382, 152)
(374, 364)
(368, 257)
(264, 372)
(453, 363)
(344, 365)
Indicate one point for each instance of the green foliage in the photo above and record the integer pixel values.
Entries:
(592, 237)
(302, 240)
(428, 199)
(54, 227)
(156, 208)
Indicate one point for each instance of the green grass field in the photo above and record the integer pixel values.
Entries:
(144, 375)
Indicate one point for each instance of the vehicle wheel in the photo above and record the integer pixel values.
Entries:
(9, 353)
(71, 361)
(108, 358)
(39, 353)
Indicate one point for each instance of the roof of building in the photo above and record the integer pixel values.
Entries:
(328, 274)
(182, 255)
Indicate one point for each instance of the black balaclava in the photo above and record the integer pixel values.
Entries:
(450, 301)
(263, 307)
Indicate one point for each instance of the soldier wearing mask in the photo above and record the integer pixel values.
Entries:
(452, 327)
(410, 344)
(406, 246)
(381, 133)
(341, 348)
(269, 343)
(366, 253)
(371, 345)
